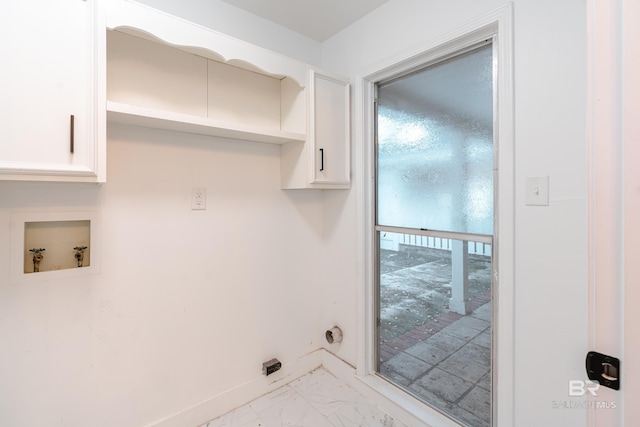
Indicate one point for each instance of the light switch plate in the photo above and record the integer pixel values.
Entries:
(537, 191)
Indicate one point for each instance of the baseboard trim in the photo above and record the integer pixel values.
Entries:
(229, 400)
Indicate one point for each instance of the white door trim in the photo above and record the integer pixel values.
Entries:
(498, 25)
(631, 135)
(614, 200)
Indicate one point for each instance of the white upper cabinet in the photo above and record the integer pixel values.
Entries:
(168, 73)
(329, 129)
(323, 161)
(52, 118)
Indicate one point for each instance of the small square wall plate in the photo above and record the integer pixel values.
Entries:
(537, 191)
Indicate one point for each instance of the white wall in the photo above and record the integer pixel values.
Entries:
(189, 303)
(550, 139)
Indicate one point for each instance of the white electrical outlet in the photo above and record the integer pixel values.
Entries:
(198, 198)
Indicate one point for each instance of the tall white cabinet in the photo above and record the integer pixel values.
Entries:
(322, 160)
(52, 118)
(168, 73)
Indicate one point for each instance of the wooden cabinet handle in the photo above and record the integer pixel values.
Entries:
(71, 132)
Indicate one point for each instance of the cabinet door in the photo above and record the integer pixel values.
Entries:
(329, 130)
(49, 124)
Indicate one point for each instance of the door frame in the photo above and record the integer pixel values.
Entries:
(499, 26)
(613, 99)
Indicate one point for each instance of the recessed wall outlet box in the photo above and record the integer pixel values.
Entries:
(54, 245)
(271, 366)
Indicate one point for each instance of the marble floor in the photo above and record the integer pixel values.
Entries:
(317, 399)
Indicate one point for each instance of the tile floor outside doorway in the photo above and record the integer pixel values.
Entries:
(441, 357)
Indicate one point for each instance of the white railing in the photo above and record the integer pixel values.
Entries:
(392, 241)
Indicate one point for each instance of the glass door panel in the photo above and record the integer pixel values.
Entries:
(435, 146)
(434, 225)
(434, 333)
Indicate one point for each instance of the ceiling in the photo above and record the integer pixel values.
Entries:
(315, 19)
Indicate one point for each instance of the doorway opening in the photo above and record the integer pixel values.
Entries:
(434, 225)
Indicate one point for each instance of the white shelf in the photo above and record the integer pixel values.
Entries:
(150, 118)
(167, 73)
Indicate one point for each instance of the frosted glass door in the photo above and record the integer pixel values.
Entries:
(435, 146)
(435, 197)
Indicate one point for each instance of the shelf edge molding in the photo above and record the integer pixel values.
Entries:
(150, 118)
(153, 24)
